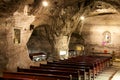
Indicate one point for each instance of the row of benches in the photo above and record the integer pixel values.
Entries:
(77, 68)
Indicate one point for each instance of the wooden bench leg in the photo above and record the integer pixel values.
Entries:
(85, 75)
(89, 75)
(93, 74)
(70, 77)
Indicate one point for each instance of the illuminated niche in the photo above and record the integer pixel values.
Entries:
(106, 38)
(17, 36)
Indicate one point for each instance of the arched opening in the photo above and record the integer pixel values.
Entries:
(76, 45)
(38, 45)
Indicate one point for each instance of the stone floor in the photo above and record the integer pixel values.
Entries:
(107, 74)
(116, 76)
(111, 73)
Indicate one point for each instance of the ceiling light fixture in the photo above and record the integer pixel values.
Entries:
(45, 3)
(82, 18)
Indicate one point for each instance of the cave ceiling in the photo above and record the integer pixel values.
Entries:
(59, 7)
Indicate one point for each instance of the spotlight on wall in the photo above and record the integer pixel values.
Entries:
(31, 27)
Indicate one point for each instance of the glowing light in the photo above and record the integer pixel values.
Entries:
(45, 3)
(82, 18)
(63, 52)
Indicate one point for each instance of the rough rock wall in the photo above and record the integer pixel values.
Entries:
(14, 54)
(3, 46)
(37, 45)
(93, 31)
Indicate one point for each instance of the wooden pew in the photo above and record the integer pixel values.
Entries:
(81, 71)
(88, 70)
(96, 64)
(35, 76)
(13, 78)
(98, 61)
(103, 61)
(63, 69)
(74, 74)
